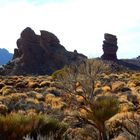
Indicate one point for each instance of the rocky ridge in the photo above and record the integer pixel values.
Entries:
(39, 54)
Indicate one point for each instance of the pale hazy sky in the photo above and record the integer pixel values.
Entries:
(79, 24)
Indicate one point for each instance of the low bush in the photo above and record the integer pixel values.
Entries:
(16, 126)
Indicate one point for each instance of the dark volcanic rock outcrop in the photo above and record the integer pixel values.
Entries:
(109, 47)
(40, 54)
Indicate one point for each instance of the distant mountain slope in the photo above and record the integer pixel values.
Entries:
(133, 64)
(5, 56)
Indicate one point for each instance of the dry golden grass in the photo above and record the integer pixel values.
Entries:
(98, 84)
(106, 88)
(55, 102)
(117, 86)
(79, 98)
(40, 95)
(83, 112)
(45, 83)
(32, 84)
(32, 101)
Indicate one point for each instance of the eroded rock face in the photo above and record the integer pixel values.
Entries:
(40, 54)
(109, 47)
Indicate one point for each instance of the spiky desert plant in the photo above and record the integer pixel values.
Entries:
(99, 111)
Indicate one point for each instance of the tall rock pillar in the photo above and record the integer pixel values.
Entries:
(109, 47)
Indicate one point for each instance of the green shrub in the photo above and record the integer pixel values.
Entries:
(16, 126)
(58, 73)
(99, 111)
(103, 108)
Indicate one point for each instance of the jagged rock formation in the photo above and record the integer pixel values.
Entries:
(5, 56)
(109, 47)
(40, 54)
